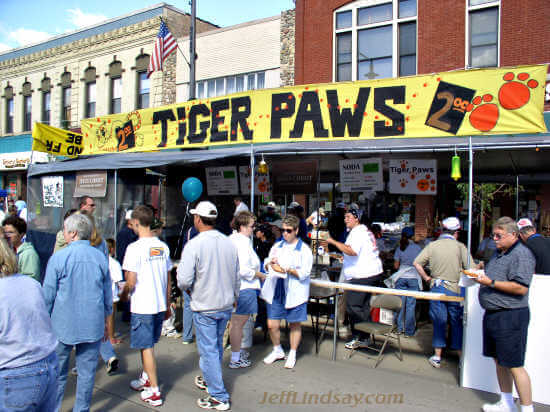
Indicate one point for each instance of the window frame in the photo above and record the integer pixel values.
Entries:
(66, 108)
(202, 87)
(46, 114)
(27, 114)
(354, 29)
(10, 114)
(469, 9)
(114, 99)
(139, 100)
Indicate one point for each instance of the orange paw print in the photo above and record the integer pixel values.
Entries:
(513, 94)
(484, 114)
(403, 182)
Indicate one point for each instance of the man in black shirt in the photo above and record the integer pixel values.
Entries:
(538, 244)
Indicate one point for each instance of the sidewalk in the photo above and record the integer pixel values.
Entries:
(316, 382)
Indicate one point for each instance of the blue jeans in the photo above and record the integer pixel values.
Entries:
(187, 334)
(210, 328)
(31, 387)
(86, 363)
(106, 350)
(408, 305)
(439, 313)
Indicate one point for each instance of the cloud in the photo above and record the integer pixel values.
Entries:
(23, 36)
(4, 47)
(82, 19)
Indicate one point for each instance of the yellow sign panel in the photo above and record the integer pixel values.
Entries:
(459, 103)
(49, 139)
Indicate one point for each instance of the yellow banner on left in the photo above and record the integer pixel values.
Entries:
(59, 142)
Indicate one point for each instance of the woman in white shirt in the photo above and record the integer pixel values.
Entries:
(286, 289)
(250, 275)
(361, 266)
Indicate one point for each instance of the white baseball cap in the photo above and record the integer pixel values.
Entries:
(524, 222)
(451, 223)
(205, 209)
(128, 214)
(293, 205)
(272, 204)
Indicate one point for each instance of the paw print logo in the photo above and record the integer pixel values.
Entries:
(413, 176)
(404, 164)
(484, 114)
(403, 182)
(515, 94)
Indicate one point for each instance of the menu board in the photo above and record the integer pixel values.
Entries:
(361, 175)
(222, 181)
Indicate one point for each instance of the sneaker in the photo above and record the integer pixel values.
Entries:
(141, 383)
(112, 365)
(357, 343)
(241, 363)
(500, 406)
(152, 398)
(245, 354)
(436, 363)
(173, 334)
(213, 403)
(290, 362)
(187, 342)
(274, 356)
(200, 383)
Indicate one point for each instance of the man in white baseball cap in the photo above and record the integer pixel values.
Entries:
(209, 272)
(538, 244)
(446, 257)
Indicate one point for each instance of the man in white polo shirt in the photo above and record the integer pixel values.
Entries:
(362, 266)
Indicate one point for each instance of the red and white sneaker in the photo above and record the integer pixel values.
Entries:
(152, 398)
(141, 383)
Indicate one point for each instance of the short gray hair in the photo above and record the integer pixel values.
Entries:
(81, 224)
(507, 224)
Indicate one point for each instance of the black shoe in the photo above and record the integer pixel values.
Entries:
(112, 365)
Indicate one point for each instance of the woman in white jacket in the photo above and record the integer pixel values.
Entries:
(286, 289)
(250, 275)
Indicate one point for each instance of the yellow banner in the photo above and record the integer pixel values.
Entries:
(459, 103)
(49, 139)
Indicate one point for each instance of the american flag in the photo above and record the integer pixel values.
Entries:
(164, 45)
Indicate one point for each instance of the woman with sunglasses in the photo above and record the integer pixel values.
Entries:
(250, 275)
(286, 289)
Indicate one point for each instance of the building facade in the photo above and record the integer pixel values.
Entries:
(343, 40)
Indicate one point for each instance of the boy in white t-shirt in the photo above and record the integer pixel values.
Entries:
(147, 262)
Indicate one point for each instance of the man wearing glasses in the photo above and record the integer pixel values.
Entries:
(504, 294)
(87, 203)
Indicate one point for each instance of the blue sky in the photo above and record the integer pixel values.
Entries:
(25, 22)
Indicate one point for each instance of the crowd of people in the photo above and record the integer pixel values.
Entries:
(263, 268)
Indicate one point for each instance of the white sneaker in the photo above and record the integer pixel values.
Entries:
(290, 362)
(241, 363)
(150, 397)
(274, 356)
(500, 406)
(141, 383)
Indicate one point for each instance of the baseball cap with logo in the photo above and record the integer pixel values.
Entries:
(451, 223)
(524, 222)
(205, 209)
(293, 205)
(128, 214)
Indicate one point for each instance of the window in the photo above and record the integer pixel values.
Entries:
(90, 92)
(483, 18)
(222, 86)
(143, 91)
(27, 106)
(65, 100)
(375, 39)
(8, 95)
(116, 95)
(46, 100)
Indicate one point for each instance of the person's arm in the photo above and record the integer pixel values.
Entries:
(186, 268)
(49, 288)
(422, 272)
(511, 287)
(131, 280)
(342, 247)
(396, 264)
(421, 260)
(29, 264)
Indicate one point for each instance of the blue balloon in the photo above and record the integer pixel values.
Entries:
(191, 189)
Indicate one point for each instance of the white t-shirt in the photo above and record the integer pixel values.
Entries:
(116, 276)
(249, 262)
(367, 263)
(241, 208)
(150, 259)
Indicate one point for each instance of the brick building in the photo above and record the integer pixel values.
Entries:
(342, 40)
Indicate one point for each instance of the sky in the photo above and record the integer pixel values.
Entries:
(24, 22)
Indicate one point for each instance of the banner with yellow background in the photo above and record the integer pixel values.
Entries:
(458, 103)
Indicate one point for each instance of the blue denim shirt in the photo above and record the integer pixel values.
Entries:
(77, 291)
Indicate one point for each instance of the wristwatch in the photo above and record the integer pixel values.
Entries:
(492, 285)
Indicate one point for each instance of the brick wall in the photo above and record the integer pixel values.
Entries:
(423, 216)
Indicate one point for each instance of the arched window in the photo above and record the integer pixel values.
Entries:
(66, 85)
(90, 92)
(142, 92)
(115, 75)
(46, 89)
(8, 95)
(27, 106)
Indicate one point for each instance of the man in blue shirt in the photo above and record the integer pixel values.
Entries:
(78, 295)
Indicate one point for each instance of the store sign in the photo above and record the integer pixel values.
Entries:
(413, 176)
(93, 184)
(20, 160)
(261, 181)
(222, 181)
(457, 103)
(361, 175)
(295, 177)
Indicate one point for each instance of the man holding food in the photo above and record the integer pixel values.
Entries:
(504, 294)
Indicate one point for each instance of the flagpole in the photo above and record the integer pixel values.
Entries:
(192, 38)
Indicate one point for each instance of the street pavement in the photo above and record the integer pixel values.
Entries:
(315, 383)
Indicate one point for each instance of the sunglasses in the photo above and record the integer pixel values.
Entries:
(287, 230)
(497, 236)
